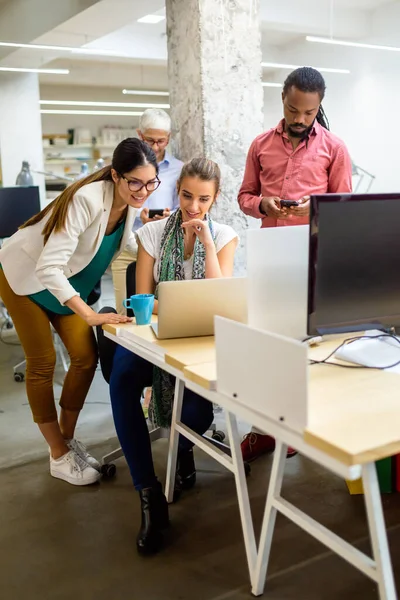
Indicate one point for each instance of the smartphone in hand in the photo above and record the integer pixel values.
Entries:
(288, 203)
(156, 211)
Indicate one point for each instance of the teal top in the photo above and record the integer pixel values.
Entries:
(85, 280)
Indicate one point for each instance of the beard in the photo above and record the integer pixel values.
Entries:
(299, 133)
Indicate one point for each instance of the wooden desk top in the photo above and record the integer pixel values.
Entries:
(135, 329)
(191, 351)
(354, 414)
(204, 374)
(178, 353)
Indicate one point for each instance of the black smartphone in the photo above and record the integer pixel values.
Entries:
(155, 211)
(288, 203)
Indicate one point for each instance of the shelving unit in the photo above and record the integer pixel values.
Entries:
(64, 159)
(67, 159)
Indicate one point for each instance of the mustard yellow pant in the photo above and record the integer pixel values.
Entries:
(32, 325)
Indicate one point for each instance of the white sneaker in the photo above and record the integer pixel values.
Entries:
(81, 451)
(72, 468)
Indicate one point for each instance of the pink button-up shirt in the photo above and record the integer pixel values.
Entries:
(318, 166)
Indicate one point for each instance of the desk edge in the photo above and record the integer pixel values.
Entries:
(359, 458)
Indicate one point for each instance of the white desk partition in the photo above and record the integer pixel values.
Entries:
(277, 270)
(263, 370)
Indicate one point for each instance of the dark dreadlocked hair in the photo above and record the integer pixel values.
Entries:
(307, 79)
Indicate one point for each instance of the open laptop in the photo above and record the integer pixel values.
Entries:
(187, 308)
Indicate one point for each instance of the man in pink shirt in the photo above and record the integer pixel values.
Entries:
(297, 158)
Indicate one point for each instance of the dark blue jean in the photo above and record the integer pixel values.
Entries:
(130, 374)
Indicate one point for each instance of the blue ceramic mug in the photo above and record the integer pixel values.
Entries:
(142, 305)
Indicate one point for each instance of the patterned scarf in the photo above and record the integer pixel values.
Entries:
(170, 268)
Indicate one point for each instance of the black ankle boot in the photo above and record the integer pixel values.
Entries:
(186, 469)
(155, 518)
(185, 473)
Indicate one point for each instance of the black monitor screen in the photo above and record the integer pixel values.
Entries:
(17, 205)
(354, 264)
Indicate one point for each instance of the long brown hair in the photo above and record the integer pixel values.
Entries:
(128, 155)
(203, 168)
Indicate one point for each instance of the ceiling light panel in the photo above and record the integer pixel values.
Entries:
(28, 70)
(271, 84)
(273, 65)
(102, 104)
(145, 93)
(332, 41)
(110, 113)
(69, 49)
(151, 19)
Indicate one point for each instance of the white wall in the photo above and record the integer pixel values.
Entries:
(361, 107)
(20, 127)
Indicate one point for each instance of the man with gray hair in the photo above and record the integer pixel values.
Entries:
(155, 130)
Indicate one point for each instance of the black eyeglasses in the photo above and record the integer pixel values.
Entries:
(135, 185)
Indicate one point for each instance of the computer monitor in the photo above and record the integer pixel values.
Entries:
(17, 205)
(354, 263)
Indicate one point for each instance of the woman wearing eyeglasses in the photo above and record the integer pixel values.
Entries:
(47, 270)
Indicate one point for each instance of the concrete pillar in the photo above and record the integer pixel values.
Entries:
(20, 128)
(214, 65)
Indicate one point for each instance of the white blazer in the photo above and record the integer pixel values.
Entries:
(30, 266)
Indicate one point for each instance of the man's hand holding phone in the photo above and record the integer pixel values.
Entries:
(302, 209)
(274, 207)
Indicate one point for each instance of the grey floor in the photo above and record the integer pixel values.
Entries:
(58, 542)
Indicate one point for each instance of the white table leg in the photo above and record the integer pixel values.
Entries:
(268, 525)
(242, 492)
(377, 529)
(173, 440)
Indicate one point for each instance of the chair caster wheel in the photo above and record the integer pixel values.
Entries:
(219, 436)
(247, 469)
(108, 471)
(19, 377)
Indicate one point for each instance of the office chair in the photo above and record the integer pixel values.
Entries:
(17, 205)
(107, 349)
(95, 294)
(5, 318)
(130, 284)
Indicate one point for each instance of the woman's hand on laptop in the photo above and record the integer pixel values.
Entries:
(201, 229)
